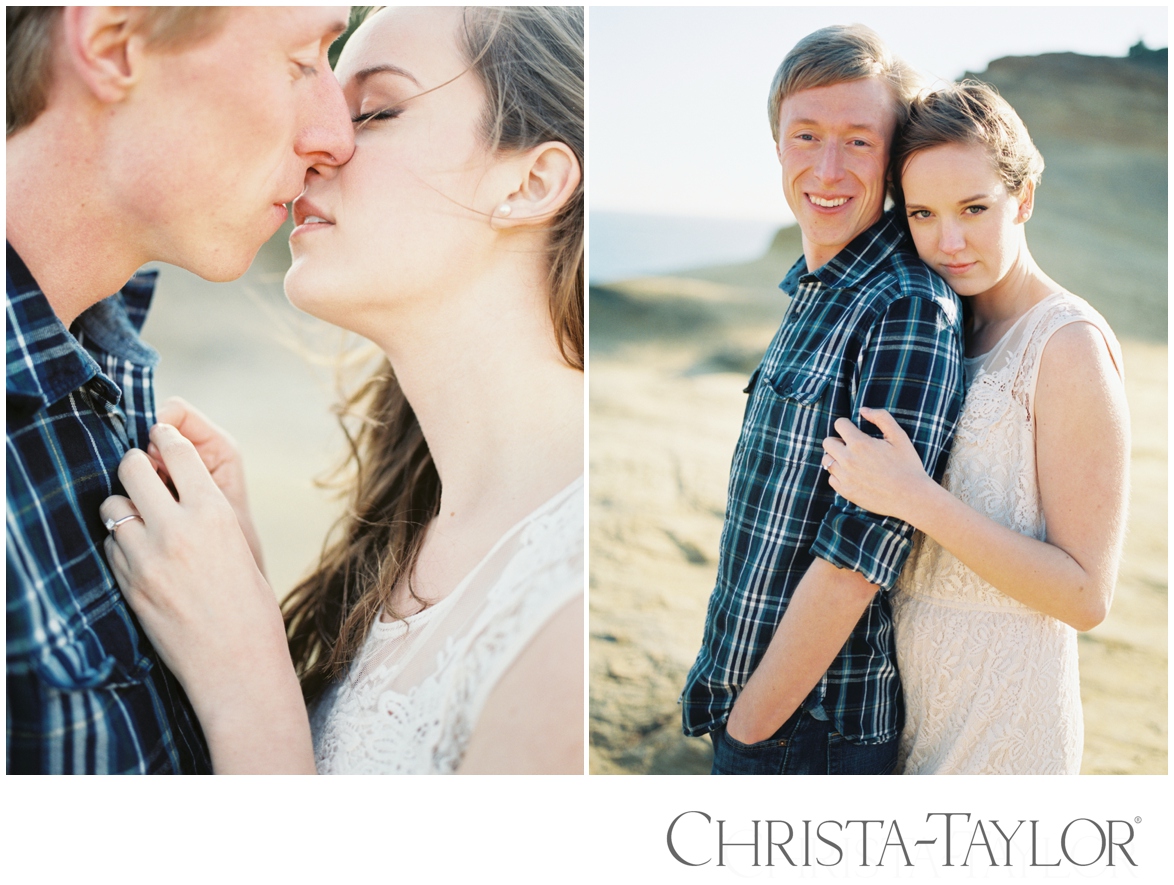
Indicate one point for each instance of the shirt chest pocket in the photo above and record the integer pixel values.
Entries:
(99, 649)
(790, 413)
(803, 387)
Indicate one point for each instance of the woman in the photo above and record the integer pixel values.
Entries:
(442, 630)
(1021, 542)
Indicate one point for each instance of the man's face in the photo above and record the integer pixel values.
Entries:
(834, 149)
(222, 133)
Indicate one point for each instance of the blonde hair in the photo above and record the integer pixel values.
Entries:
(970, 113)
(529, 60)
(32, 33)
(840, 54)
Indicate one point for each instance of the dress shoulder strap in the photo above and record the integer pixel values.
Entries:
(1056, 312)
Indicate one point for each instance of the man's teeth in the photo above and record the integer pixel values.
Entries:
(314, 219)
(828, 204)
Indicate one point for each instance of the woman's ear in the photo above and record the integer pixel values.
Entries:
(103, 46)
(1026, 201)
(549, 176)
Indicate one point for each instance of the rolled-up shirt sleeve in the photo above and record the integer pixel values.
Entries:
(910, 363)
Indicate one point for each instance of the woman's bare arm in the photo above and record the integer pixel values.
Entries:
(1082, 459)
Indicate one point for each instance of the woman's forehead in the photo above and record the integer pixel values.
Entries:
(420, 40)
(955, 163)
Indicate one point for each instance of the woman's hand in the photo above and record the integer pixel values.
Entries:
(186, 569)
(885, 476)
(220, 455)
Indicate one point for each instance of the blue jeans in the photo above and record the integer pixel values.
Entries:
(803, 745)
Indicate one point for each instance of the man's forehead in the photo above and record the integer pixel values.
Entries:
(338, 18)
(312, 22)
(866, 103)
(331, 19)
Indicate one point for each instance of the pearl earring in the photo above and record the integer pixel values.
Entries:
(504, 209)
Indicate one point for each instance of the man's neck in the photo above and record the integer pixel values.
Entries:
(817, 255)
(59, 219)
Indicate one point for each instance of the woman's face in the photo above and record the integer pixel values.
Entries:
(965, 224)
(408, 215)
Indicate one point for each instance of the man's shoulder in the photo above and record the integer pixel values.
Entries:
(901, 275)
(880, 267)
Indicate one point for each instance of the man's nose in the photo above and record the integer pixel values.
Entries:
(829, 168)
(326, 136)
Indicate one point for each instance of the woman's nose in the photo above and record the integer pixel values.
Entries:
(951, 239)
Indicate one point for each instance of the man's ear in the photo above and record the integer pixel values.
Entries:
(1026, 200)
(549, 175)
(103, 46)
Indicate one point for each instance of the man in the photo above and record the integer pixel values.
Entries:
(133, 134)
(796, 672)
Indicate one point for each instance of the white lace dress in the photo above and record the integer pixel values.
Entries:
(991, 686)
(413, 695)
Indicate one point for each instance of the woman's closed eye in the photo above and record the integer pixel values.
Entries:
(381, 114)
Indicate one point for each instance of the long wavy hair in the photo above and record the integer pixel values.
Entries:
(529, 60)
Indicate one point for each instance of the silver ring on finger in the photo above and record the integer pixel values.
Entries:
(113, 524)
(828, 462)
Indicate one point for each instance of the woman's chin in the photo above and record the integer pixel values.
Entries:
(303, 291)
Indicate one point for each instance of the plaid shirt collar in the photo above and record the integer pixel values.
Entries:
(45, 362)
(856, 261)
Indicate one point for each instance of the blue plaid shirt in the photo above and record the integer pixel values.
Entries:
(872, 327)
(86, 692)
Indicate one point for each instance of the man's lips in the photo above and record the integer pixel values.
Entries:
(827, 202)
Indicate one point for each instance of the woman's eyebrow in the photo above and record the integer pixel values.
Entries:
(362, 75)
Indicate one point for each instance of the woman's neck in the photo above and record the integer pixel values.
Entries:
(995, 311)
(1020, 289)
(499, 407)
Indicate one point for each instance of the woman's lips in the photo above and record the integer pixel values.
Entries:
(308, 217)
(958, 268)
(311, 223)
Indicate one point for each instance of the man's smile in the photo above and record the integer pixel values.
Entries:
(828, 202)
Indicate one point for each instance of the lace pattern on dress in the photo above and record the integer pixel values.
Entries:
(415, 691)
(990, 684)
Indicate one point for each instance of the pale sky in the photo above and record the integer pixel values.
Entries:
(677, 95)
